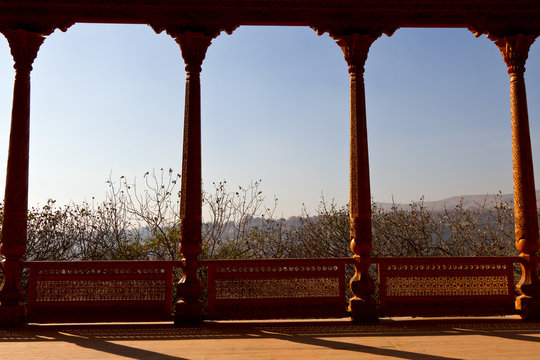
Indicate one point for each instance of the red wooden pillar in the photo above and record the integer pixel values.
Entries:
(362, 306)
(24, 48)
(515, 50)
(189, 306)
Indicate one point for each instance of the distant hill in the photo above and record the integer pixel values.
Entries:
(469, 201)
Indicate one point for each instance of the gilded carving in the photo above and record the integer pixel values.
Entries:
(277, 288)
(99, 290)
(355, 48)
(515, 50)
(447, 285)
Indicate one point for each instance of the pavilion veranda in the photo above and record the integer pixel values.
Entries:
(87, 291)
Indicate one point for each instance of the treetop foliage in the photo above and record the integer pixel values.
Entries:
(135, 223)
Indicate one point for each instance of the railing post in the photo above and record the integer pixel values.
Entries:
(24, 47)
(515, 50)
(362, 306)
(189, 307)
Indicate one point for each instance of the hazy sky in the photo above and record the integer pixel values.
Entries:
(108, 99)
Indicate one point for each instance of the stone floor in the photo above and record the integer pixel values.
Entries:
(404, 338)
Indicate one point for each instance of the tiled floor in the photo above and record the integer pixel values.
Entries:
(466, 338)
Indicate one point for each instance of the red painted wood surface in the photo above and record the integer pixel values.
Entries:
(276, 288)
(444, 286)
(92, 291)
(95, 291)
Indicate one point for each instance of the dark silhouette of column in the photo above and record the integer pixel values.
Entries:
(515, 50)
(189, 306)
(362, 306)
(24, 48)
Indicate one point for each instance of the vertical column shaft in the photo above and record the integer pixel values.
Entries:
(24, 48)
(362, 305)
(189, 307)
(515, 51)
(525, 212)
(360, 193)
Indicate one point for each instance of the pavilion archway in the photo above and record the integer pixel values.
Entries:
(271, 122)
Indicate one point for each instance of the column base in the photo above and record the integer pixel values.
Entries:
(188, 313)
(362, 310)
(529, 307)
(12, 315)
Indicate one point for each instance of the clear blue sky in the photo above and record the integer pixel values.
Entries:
(275, 106)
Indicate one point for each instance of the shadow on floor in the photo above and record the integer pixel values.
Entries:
(325, 334)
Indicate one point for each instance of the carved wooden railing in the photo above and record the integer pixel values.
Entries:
(447, 286)
(276, 288)
(92, 291)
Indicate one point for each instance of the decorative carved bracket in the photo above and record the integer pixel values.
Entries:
(337, 31)
(193, 46)
(193, 41)
(24, 47)
(355, 48)
(515, 50)
(354, 42)
(513, 44)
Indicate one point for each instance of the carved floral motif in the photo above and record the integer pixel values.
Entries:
(515, 50)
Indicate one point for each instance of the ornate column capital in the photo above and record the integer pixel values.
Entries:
(24, 47)
(355, 48)
(353, 41)
(193, 40)
(515, 50)
(193, 46)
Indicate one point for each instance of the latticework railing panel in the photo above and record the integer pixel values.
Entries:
(446, 286)
(89, 291)
(276, 288)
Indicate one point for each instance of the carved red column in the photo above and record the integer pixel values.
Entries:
(362, 305)
(189, 306)
(515, 50)
(24, 48)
